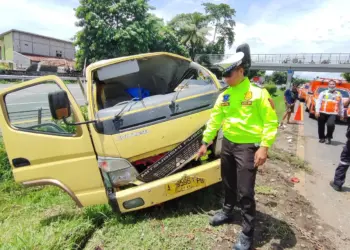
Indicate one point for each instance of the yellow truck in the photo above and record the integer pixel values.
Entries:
(146, 115)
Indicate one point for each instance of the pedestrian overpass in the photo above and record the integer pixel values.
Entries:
(309, 62)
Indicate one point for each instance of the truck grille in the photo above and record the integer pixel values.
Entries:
(174, 159)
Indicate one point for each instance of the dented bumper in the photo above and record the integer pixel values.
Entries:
(168, 188)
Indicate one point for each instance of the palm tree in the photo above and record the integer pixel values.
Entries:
(192, 30)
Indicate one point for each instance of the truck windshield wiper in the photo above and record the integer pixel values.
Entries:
(121, 112)
(172, 106)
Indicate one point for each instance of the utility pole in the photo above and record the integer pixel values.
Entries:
(290, 74)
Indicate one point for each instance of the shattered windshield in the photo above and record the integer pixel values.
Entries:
(148, 82)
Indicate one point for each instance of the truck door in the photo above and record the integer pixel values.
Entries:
(43, 151)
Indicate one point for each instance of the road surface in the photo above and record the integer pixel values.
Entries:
(332, 206)
(25, 106)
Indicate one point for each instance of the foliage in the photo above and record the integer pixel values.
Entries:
(72, 129)
(279, 78)
(111, 28)
(166, 40)
(253, 73)
(346, 76)
(271, 88)
(299, 81)
(5, 168)
(194, 28)
(278, 99)
(221, 16)
(283, 88)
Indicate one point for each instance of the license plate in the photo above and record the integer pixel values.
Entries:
(186, 183)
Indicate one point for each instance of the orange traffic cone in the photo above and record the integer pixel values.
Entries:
(299, 115)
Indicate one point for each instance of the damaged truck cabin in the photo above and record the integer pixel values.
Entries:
(146, 117)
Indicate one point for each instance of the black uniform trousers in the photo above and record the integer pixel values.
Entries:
(322, 120)
(238, 175)
(340, 172)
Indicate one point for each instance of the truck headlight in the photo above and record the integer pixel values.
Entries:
(119, 171)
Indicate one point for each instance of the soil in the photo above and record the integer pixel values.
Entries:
(285, 219)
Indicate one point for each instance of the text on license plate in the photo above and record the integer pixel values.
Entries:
(186, 183)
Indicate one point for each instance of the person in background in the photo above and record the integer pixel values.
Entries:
(344, 163)
(290, 97)
(329, 104)
(249, 124)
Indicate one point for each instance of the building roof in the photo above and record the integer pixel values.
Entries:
(52, 61)
(29, 33)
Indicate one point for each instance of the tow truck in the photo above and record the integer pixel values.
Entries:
(319, 85)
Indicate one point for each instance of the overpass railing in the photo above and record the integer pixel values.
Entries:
(302, 58)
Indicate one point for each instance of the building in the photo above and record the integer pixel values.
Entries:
(24, 49)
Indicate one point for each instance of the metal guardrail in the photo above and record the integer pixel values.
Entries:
(301, 58)
(24, 77)
(29, 116)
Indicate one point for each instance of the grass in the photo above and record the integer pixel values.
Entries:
(291, 159)
(265, 190)
(278, 99)
(47, 218)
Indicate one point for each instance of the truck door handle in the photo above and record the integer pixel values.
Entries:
(20, 162)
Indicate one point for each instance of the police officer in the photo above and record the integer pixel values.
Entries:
(343, 166)
(249, 123)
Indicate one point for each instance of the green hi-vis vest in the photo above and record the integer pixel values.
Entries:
(247, 115)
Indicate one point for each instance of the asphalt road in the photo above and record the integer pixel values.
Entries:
(24, 105)
(332, 206)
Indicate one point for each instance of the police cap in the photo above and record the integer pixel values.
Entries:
(236, 60)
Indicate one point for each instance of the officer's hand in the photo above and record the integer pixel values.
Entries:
(342, 118)
(202, 151)
(260, 157)
(317, 115)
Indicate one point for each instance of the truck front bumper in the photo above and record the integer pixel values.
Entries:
(168, 188)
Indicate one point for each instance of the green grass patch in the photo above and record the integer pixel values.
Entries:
(290, 159)
(265, 190)
(47, 218)
(278, 99)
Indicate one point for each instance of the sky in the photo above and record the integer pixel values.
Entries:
(268, 26)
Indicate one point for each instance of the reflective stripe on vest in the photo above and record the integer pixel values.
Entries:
(330, 105)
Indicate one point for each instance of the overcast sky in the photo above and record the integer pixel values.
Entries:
(269, 26)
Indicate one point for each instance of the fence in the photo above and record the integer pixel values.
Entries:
(303, 58)
(36, 116)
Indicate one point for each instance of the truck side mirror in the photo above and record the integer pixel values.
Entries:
(59, 105)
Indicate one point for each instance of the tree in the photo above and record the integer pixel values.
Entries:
(346, 76)
(113, 28)
(299, 81)
(192, 30)
(253, 73)
(279, 78)
(221, 16)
